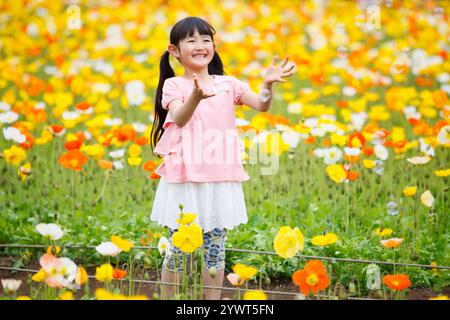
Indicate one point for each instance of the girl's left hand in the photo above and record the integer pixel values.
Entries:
(276, 73)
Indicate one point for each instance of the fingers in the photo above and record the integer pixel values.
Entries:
(274, 60)
(197, 84)
(285, 61)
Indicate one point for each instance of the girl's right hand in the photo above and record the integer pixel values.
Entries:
(198, 92)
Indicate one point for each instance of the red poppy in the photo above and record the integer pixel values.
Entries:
(155, 176)
(73, 160)
(73, 145)
(141, 141)
(397, 282)
(312, 278)
(119, 274)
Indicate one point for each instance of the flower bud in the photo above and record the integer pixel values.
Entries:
(212, 272)
(352, 288)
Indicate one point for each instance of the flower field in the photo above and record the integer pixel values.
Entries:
(361, 136)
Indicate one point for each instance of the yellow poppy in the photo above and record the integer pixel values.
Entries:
(288, 242)
(123, 244)
(188, 238)
(104, 273)
(324, 240)
(244, 272)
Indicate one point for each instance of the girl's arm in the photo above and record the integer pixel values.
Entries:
(273, 74)
(182, 112)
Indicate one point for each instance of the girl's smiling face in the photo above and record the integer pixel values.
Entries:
(195, 52)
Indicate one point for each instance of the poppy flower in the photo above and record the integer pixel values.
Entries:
(392, 243)
(427, 199)
(324, 240)
(288, 242)
(119, 274)
(73, 160)
(244, 272)
(397, 282)
(123, 244)
(104, 273)
(312, 278)
(188, 238)
(57, 130)
(410, 191)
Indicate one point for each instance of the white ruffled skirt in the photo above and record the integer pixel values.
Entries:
(218, 204)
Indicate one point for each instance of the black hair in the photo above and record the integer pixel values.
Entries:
(181, 30)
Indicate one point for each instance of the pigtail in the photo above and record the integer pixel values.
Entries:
(165, 72)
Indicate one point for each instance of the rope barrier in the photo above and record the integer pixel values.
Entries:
(332, 259)
(207, 287)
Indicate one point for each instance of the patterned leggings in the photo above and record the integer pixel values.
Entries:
(213, 251)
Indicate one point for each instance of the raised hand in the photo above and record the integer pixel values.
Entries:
(198, 92)
(277, 73)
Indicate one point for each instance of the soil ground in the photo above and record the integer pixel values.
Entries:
(276, 284)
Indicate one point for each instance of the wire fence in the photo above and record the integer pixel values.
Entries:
(156, 283)
(331, 259)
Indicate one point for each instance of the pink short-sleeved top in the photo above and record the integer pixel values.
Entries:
(207, 148)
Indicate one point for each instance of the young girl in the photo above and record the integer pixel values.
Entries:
(201, 175)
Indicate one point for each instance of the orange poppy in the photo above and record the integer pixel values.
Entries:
(312, 278)
(356, 139)
(73, 160)
(119, 274)
(105, 164)
(368, 151)
(155, 176)
(29, 142)
(392, 243)
(57, 129)
(397, 282)
(141, 141)
(149, 165)
(310, 140)
(83, 106)
(125, 133)
(73, 145)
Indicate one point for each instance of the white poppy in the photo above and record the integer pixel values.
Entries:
(317, 132)
(68, 270)
(164, 245)
(139, 127)
(11, 285)
(70, 115)
(50, 230)
(352, 152)
(348, 91)
(311, 122)
(379, 137)
(358, 119)
(292, 138)
(319, 153)
(332, 155)
(443, 136)
(419, 160)
(8, 117)
(113, 122)
(108, 249)
(381, 152)
(328, 127)
(135, 90)
(241, 122)
(118, 165)
(4, 106)
(294, 108)
(12, 133)
(117, 153)
(427, 199)
(426, 148)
